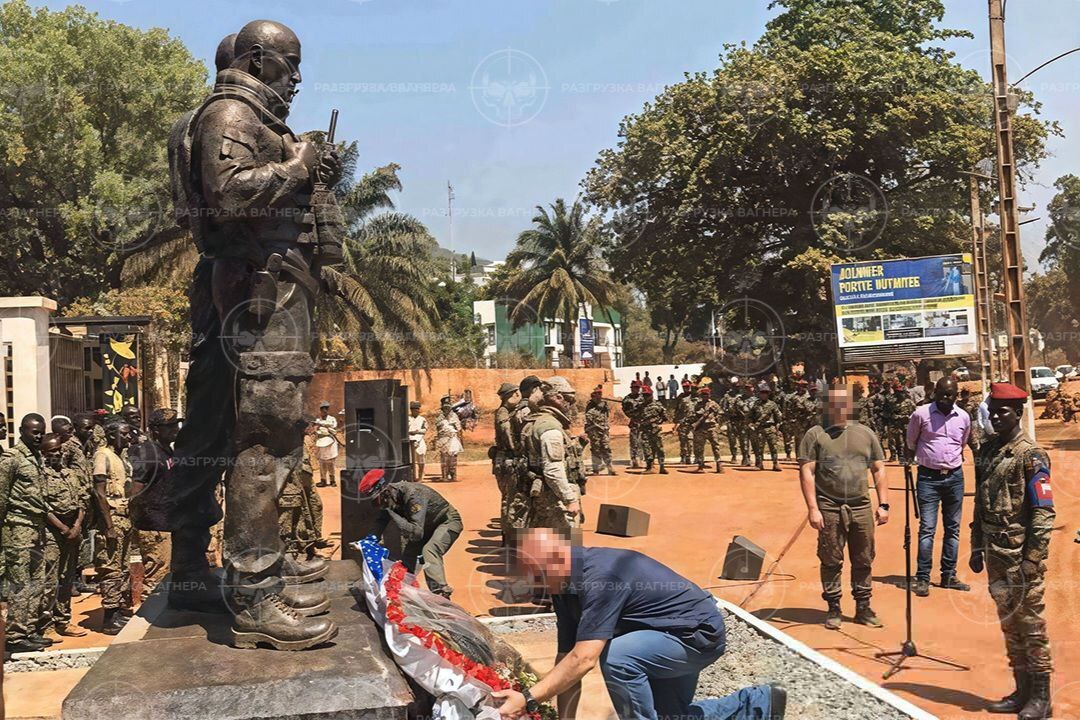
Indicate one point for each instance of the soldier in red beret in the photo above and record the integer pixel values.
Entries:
(1010, 537)
(429, 524)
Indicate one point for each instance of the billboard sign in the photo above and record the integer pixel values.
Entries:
(588, 340)
(905, 309)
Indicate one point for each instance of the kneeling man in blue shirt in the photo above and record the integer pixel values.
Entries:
(651, 631)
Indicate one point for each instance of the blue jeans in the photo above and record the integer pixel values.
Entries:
(650, 674)
(946, 489)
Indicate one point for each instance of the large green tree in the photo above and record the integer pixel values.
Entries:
(1062, 249)
(381, 301)
(843, 133)
(556, 270)
(85, 112)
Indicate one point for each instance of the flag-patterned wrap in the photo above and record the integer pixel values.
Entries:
(1039, 489)
(374, 554)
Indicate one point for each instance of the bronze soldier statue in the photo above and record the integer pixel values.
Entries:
(254, 197)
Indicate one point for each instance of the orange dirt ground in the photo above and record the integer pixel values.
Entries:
(693, 519)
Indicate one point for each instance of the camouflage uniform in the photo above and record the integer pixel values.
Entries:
(65, 494)
(765, 418)
(786, 400)
(598, 429)
(73, 455)
(728, 407)
(631, 407)
(707, 419)
(502, 464)
(741, 418)
(870, 410)
(520, 503)
(652, 418)
(546, 446)
(892, 441)
(111, 554)
(685, 405)
(429, 526)
(22, 540)
(905, 406)
(1013, 521)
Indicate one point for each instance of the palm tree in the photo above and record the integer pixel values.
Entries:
(556, 270)
(380, 300)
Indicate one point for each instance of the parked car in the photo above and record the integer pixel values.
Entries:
(1043, 381)
(1065, 372)
(962, 373)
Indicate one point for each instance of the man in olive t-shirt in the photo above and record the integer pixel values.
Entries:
(834, 458)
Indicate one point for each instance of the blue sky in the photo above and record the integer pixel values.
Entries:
(423, 83)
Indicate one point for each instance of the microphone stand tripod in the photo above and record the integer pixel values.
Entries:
(907, 650)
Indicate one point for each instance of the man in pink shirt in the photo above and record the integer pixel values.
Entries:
(938, 432)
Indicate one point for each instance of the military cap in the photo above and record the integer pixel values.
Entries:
(324, 403)
(705, 391)
(598, 391)
(1006, 391)
(507, 389)
(557, 383)
(801, 382)
(414, 405)
(764, 387)
(646, 390)
(372, 483)
(444, 400)
(529, 383)
(635, 383)
(164, 416)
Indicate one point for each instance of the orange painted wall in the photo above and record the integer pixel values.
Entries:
(429, 386)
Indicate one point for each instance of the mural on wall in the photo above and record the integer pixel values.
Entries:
(119, 371)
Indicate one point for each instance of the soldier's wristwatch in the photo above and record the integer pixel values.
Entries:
(884, 506)
(531, 705)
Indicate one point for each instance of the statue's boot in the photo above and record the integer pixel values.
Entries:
(296, 570)
(269, 620)
(307, 600)
(193, 585)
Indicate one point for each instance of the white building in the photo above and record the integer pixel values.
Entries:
(541, 338)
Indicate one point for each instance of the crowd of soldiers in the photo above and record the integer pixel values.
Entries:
(751, 418)
(64, 494)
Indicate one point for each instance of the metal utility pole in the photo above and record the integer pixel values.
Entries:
(450, 217)
(1009, 213)
(982, 284)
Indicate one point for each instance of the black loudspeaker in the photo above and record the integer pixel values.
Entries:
(622, 521)
(376, 423)
(376, 436)
(743, 560)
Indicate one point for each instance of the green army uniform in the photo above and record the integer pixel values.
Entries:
(744, 404)
(65, 495)
(728, 403)
(73, 456)
(684, 410)
(22, 541)
(905, 407)
(785, 401)
(631, 407)
(887, 406)
(502, 465)
(1013, 521)
(971, 407)
(652, 417)
(598, 430)
(429, 526)
(869, 411)
(765, 419)
(519, 505)
(707, 419)
(546, 444)
(111, 554)
(802, 418)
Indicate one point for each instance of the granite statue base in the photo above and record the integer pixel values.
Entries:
(167, 665)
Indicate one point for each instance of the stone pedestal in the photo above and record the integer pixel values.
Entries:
(168, 665)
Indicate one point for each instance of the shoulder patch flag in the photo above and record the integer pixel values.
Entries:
(1039, 489)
